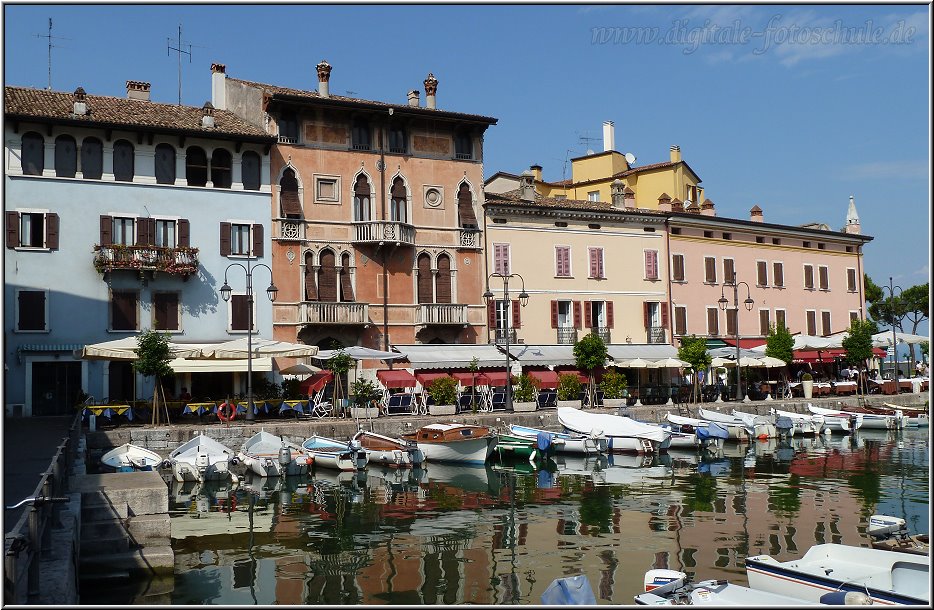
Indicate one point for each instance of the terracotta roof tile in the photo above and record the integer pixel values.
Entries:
(27, 103)
(275, 90)
(514, 198)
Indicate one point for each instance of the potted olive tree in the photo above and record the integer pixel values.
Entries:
(523, 399)
(366, 395)
(807, 385)
(569, 390)
(443, 392)
(614, 386)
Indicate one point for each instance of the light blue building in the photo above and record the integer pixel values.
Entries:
(123, 214)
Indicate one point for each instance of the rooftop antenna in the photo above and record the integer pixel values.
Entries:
(586, 140)
(179, 50)
(50, 38)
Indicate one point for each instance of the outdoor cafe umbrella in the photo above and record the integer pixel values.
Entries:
(300, 369)
(259, 348)
(358, 352)
(125, 349)
(669, 363)
(636, 363)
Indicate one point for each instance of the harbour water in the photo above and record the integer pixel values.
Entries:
(451, 534)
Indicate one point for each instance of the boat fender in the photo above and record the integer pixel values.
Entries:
(846, 598)
(285, 456)
(166, 464)
(226, 412)
(543, 441)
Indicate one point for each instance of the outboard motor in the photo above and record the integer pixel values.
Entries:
(882, 526)
(285, 457)
(846, 598)
(784, 425)
(166, 464)
(202, 461)
(663, 581)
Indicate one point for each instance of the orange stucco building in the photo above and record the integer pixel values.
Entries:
(375, 210)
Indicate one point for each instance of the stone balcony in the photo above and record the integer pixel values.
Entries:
(319, 312)
(451, 314)
(384, 231)
(182, 261)
(289, 229)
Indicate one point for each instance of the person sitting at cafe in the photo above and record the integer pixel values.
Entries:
(184, 396)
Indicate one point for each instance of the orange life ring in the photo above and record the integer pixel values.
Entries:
(223, 409)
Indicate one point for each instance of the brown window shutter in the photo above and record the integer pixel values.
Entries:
(824, 279)
(710, 270)
(577, 315)
(764, 322)
(290, 206)
(423, 283)
(346, 285)
(731, 321)
(554, 314)
(465, 212)
(443, 280)
(165, 305)
(147, 231)
(225, 239)
(51, 231)
(677, 264)
(680, 320)
(184, 233)
(728, 271)
(778, 275)
(107, 228)
(808, 276)
(124, 311)
(257, 240)
(645, 314)
(664, 308)
(491, 314)
(609, 314)
(311, 289)
(588, 315)
(327, 282)
(239, 318)
(516, 316)
(713, 322)
(12, 229)
(763, 271)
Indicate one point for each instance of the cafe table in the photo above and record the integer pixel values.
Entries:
(199, 408)
(298, 406)
(108, 411)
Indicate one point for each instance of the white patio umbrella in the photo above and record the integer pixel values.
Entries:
(358, 352)
(636, 363)
(300, 369)
(724, 362)
(669, 363)
(260, 348)
(771, 362)
(884, 339)
(125, 349)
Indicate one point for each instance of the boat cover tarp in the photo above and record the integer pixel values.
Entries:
(583, 422)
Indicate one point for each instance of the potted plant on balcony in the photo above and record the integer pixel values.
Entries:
(365, 394)
(443, 392)
(569, 390)
(524, 397)
(614, 386)
(807, 385)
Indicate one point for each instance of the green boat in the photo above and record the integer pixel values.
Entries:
(509, 446)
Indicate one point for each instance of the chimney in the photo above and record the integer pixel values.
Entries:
(207, 115)
(609, 136)
(324, 75)
(677, 205)
(536, 171)
(675, 153)
(413, 98)
(755, 214)
(431, 88)
(852, 219)
(527, 186)
(706, 208)
(81, 105)
(137, 90)
(617, 190)
(694, 209)
(629, 198)
(664, 202)
(219, 86)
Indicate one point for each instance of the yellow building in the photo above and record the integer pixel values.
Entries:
(593, 174)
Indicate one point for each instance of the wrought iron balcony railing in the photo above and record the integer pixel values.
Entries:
(179, 261)
(655, 334)
(567, 336)
(500, 335)
(601, 331)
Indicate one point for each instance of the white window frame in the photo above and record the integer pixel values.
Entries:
(45, 228)
(16, 328)
(113, 228)
(178, 311)
(683, 268)
(173, 219)
(508, 262)
(318, 178)
(804, 276)
(766, 263)
(850, 315)
(707, 321)
(570, 265)
(249, 224)
(230, 329)
(570, 313)
(593, 196)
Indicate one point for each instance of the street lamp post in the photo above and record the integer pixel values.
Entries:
(271, 292)
(748, 303)
(892, 288)
(523, 300)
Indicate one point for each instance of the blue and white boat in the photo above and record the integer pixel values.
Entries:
(331, 453)
(565, 442)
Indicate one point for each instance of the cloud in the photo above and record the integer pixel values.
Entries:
(905, 170)
(924, 271)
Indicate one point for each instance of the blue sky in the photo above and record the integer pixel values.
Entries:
(793, 125)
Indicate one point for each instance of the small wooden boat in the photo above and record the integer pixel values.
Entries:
(673, 588)
(269, 455)
(512, 446)
(803, 425)
(885, 576)
(386, 450)
(564, 442)
(891, 534)
(334, 454)
(129, 458)
(454, 442)
(624, 434)
(203, 459)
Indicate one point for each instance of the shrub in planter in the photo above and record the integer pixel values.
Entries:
(613, 385)
(525, 388)
(364, 392)
(569, 386)
(443, 391)
(807, 377)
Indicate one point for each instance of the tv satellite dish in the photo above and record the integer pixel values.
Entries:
(589, 151)
(630, 159)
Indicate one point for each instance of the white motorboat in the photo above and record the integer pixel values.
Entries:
(269, 455)
(758, 426)
(912, 417)
(867, 421)
(129, 458)
(564, 442)
(673, 588)
(334, 454)
(387, 450)
(624, 434)
(888, 577)
(203, 459)
(803, 425)
(735, 427)
(707, 432)
(891, 534)
(463, 443)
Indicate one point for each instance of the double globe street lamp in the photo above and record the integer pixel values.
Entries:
(748, 303)
(893, 305)
(271, 292)
(507, 312)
